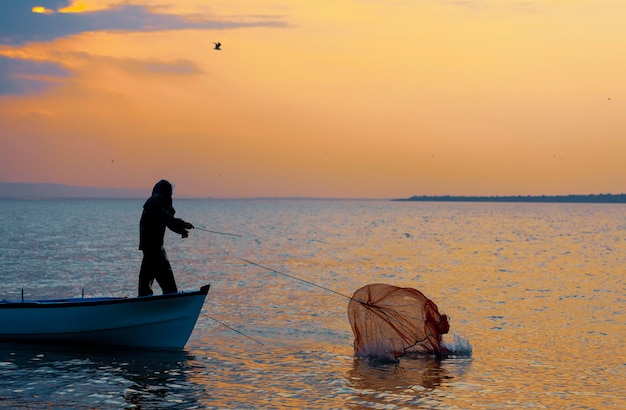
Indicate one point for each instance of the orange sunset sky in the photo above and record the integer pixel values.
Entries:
(368, 99)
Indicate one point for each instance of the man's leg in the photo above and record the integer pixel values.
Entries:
(164, 275)
(146, 274)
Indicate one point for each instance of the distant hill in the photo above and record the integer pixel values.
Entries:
(45, 190)
(591, 198)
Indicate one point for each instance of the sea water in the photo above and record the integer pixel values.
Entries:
(535, 292)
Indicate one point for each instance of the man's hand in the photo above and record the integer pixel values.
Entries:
(185, 233)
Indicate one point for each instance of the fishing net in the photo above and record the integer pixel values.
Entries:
(391, 321)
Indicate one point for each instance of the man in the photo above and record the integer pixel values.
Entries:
(158, 214)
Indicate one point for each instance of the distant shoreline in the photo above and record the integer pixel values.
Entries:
(34, 191)
(586, 199)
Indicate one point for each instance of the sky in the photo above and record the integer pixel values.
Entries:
(337, 99)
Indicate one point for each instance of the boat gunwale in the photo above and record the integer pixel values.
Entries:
(84, 302)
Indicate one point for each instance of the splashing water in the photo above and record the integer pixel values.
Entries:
(459, 346)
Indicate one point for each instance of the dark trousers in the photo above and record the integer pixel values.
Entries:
(155, 265)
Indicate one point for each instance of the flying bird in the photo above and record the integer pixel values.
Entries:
(217, 45)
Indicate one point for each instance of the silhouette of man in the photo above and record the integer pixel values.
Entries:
(158, 214)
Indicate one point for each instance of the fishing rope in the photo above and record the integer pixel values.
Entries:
(231, 328)
(373, 308)
(212, 318)
(366, 304)
(218, 232)
(297, 278)
(274, 270)
(417, 342)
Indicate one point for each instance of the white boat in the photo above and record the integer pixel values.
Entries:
(152, 322)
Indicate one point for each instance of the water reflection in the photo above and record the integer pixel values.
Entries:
(34, 374)
(411, 381)
(538, 288)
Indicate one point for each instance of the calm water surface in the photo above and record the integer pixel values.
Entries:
(536, 289)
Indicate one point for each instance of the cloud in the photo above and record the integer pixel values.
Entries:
(139, 67)
(32, 21)
(27, 76)
(181, 66)
(23, 76)
(19, 24)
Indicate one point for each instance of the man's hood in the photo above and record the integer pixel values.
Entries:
(162, 188)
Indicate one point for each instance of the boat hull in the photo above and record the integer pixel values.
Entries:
(153, 322)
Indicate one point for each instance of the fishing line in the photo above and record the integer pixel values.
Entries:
(295, 277)
(280, 273)
(386, 311)
(234, 330)
(212, 318)
(221, 233)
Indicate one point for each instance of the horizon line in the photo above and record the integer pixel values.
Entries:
(15, 190)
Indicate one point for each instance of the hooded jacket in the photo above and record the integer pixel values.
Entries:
(158, 214)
